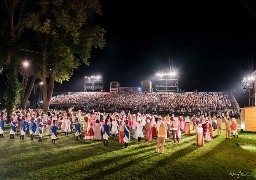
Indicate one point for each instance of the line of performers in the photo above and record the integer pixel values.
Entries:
(117, 125)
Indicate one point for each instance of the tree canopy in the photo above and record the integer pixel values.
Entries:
(63, 35)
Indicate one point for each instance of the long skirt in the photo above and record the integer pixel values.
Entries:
(154, 132)
(149, 134)
(89, 134)
(199, 139)
(187, 128)
(121, 136)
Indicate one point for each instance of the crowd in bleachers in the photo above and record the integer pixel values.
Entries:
(145, 102)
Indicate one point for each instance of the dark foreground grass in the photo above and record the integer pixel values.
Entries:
(71, 159)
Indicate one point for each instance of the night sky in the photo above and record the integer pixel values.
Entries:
(211, 42)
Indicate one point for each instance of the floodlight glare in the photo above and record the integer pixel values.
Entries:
(173, 73)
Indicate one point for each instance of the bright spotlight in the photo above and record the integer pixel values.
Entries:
(41, 83)
(174, 73)
(25, 64)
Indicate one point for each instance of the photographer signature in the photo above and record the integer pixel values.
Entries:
(239, 174)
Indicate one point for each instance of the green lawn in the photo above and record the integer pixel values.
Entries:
(71, 159)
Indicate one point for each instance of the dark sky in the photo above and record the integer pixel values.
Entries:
(211, 42)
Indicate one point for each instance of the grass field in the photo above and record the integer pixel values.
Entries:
(71, 159)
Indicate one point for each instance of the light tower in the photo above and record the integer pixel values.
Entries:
(93, 83)
(167, 81)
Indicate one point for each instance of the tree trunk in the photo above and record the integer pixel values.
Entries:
(47, 100)
(47, 92)
(44, 87)
(27, 92)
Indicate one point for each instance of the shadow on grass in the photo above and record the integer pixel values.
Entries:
(120, 166)
(90, 166)
(170, 159)
(227, 158)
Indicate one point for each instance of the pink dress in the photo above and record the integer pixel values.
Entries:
(148, 131)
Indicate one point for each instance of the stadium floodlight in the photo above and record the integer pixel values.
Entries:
(170, 73)
(248, 86)
(174, 73)
(250, 78)
(93, 82)
(167, 81)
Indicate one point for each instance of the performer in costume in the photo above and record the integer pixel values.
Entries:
(161, 138)
(13, 126)
(234, 127)
(214, 123)
(167, 122)
(126, 138)
(67, 126)
(148, 128)
(139, 131)
(97, 130)
(228, 128)
(187, 126)
(207, 130)
(121, 132)
(40, 131)
(2, 125)
(85, 126)
(199, 135)
(193, 119)
(78, 129)
(54, 129)
(219, 125)
(23, 128)
(175, 128)
(106, 133)
(153, 125)
(32, 128)
(182, 123)
(89, 134)
(48, 126)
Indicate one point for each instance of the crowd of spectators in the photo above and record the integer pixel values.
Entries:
(145, 102)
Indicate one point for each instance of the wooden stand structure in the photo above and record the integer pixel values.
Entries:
(248, 119)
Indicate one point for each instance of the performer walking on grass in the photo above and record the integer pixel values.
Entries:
(32, 128)
(54, 129)
(78, 130)
(2, 125)
(40, 131)
(219, 125)
(234, 127)
(13, 126)
(23, 128)
(161, 138)
(126, 136)
(228, 128)
(105, 133)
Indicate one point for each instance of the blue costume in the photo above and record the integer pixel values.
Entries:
(54, 129)
(2, 127)
(78, 130)
(40, 131)
(126, 136)
(23, 129)
(106, 129)
(13, 126)
(32, 129)
(106, 133)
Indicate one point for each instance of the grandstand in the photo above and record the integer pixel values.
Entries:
(155, 102)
